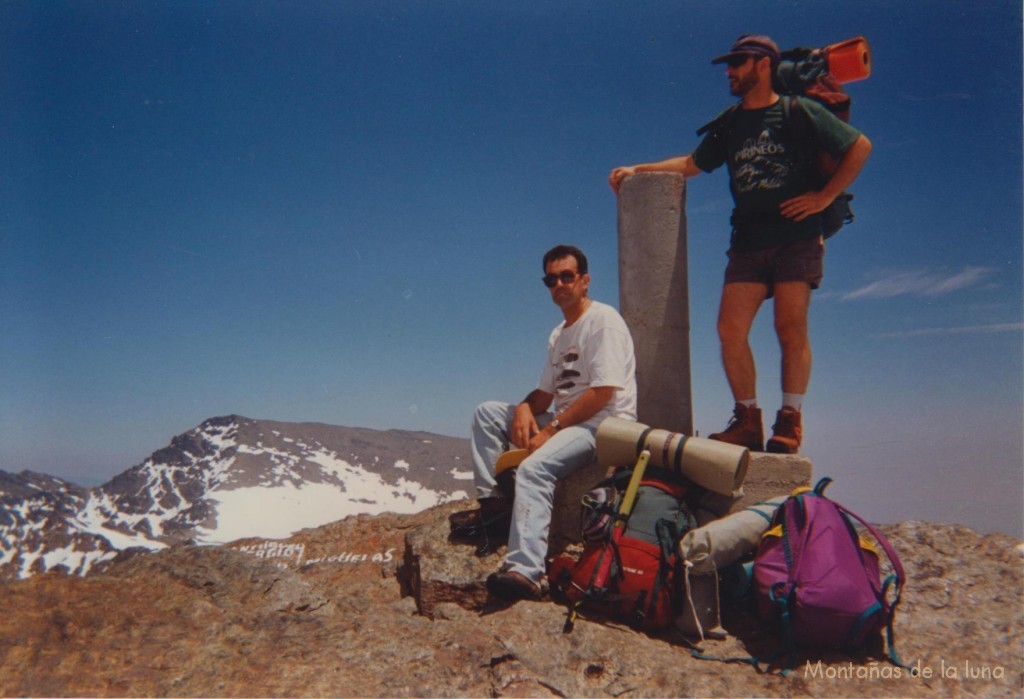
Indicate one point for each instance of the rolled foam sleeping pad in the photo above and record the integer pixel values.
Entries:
(717, 466)
(724, 541)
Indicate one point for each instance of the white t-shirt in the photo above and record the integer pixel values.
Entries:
(595, 351)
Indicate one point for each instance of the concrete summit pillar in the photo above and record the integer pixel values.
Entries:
(654, 296)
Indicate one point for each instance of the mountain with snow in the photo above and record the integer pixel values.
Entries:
(229, 478)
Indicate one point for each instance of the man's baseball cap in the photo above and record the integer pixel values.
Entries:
(757, 45)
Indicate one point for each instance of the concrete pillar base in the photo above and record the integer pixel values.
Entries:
(768, 475)
(565, 514)
(773, 474)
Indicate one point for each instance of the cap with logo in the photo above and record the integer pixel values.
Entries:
(757, 45)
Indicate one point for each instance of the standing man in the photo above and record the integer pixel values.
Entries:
(589, 375)
(777, 249)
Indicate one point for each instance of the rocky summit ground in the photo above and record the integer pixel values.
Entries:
(354, 609)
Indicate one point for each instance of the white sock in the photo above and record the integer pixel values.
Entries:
(752, 403)
(793, 400)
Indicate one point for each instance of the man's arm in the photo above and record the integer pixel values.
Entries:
(800, 207)
(585, 407)
(682, 164)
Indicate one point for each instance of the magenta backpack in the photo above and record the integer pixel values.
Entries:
(817, 575)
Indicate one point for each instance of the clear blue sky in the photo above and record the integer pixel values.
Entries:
(336, 211)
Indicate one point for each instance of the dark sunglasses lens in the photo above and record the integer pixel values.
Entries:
(550, 280)
(737, 61)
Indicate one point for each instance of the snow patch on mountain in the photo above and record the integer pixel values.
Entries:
(229, 478)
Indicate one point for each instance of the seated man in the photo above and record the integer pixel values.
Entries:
(589, 375)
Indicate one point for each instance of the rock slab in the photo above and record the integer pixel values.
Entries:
(330, 612)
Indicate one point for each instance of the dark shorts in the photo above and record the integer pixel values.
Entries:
(802, 261)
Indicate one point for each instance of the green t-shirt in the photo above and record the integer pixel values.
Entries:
(765, 170)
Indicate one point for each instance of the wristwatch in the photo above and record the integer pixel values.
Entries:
(556, 424)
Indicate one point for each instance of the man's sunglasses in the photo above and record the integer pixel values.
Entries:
(567, 278)
(737, 61)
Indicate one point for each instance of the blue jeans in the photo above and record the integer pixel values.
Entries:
(569, 450)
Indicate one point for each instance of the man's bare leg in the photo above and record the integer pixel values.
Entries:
(739, 306)
(792, 305)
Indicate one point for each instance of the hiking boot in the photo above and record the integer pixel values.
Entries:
(744, 429)
(510, 585)
(787, 432)
(492, 517)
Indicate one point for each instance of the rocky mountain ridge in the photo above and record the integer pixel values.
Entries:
(227, 478)
(388, 605)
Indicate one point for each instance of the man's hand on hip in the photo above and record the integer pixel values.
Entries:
(800, 207)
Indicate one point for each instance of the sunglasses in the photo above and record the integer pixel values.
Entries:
(737, 61)
(551, 280)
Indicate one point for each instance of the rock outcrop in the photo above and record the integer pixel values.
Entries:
(387, 605)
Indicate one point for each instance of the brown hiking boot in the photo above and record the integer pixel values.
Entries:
(744, 429)
(512, 586)
(787, 432)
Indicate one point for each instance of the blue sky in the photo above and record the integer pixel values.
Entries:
(335, 212)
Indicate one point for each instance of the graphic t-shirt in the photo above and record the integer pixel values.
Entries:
(596, 350)
(765, 170)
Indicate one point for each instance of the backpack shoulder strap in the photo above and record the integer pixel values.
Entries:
(799, 131)
(795, 119)
(898, 576)
(889, 550)
(720, 123)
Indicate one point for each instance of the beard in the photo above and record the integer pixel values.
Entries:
(742, 85)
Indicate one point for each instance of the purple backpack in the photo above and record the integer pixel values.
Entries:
(815, 573)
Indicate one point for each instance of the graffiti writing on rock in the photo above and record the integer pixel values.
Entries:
(275, 550)
(347, 557)
(295, 554)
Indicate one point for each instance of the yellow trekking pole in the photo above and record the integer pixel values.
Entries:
(626, 507)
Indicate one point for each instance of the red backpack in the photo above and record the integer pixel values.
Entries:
(630, 568)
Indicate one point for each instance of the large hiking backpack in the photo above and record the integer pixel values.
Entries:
(817, 575)
(630, 569)
(805, 73)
